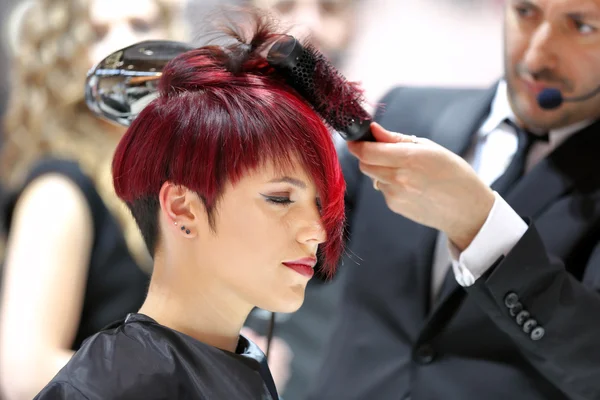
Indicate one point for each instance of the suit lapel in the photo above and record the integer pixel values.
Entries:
(575, 163)
(461, 119)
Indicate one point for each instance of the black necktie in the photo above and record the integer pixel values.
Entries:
(504, 183)
(516, 168)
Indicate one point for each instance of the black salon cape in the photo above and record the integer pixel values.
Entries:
(141, 359)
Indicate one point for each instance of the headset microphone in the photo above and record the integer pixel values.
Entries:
(549, 99)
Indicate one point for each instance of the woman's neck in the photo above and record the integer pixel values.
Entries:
(200, 308)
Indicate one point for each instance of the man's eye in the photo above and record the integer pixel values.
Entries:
(583, 28)
(524, 12)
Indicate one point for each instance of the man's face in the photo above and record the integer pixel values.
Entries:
(328, 22)
(552, 44)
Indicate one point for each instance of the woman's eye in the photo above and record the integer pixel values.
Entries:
(285, 6)
(140, 25)
(100, 31)
(319, 205)
(281, 200)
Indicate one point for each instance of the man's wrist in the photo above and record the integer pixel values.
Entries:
(469, 225)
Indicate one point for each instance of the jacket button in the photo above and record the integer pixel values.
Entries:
(514, 310)
(425, 354)
(537, 333)
(522, 317)
(529, 325)
(511, 299)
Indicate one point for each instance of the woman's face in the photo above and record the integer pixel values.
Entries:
(120, 23)
(267, 225)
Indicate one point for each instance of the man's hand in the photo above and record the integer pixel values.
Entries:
(426, 183)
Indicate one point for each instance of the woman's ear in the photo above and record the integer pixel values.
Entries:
(177, 203)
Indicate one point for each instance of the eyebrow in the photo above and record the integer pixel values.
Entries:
(526, 3)
(589, 13)
(584, 15)
(290, 180)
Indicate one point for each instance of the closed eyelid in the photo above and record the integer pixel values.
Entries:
(275, 195)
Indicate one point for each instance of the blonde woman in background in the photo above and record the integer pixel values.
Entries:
(74, 258)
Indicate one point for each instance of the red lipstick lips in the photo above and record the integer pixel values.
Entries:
(303, 266)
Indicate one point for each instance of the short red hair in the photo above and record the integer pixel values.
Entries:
(221, 112)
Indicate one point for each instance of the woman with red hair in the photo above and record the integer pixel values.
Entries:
(234, 182)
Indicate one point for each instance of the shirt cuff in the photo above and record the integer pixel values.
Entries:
(501, 231)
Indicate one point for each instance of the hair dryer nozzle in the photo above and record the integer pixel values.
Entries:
(122, 84)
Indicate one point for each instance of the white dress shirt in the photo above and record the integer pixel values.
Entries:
(491, 152)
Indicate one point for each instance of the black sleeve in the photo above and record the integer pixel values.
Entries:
(60, 391)
(552, 317)
(68, 169)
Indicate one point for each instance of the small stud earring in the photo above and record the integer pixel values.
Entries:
(183, 228)
(187, 231)
(175, 223)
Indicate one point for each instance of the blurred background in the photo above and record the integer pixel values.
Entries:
(380, 43)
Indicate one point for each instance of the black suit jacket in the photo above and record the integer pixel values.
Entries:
(390, 343)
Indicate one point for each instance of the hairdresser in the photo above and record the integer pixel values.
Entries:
(477, 239)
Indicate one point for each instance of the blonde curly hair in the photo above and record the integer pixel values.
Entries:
(47, 115)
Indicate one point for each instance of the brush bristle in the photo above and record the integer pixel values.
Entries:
(336, 100)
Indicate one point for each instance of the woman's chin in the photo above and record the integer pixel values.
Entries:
(290, 307)
(286, 302)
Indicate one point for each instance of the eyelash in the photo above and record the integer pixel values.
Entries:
(282, 201)
(285, 201)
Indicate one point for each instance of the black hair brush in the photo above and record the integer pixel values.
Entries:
(335, 99)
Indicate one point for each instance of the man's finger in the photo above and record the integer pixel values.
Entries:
(382, 135)
(382, 154)
(384, 175)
